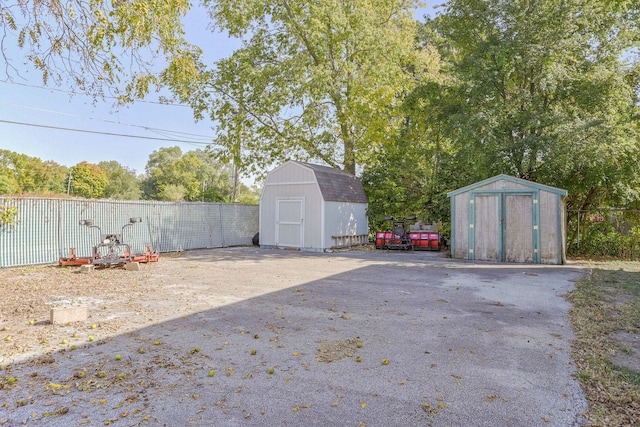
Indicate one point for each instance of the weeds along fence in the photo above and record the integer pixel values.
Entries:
(604, 232)
(40, 231)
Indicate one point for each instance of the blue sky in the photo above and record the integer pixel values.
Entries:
(42, 110)
(25, 100)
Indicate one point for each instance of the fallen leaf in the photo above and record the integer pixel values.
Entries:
(54, 386)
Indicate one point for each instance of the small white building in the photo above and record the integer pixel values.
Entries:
(312, 208)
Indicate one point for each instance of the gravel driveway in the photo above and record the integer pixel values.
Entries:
(244, 336)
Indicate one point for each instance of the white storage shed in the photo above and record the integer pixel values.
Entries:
(508, 219)
(312, 208)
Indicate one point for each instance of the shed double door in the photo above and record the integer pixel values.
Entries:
(504, 227)
(289, 222)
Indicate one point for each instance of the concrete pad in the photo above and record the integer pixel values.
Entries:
(85, 269)
(467, 344)
(63, 315)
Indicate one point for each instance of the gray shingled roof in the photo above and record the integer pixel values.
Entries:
(338, 186)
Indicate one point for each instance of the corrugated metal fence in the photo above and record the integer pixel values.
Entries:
(45, 229)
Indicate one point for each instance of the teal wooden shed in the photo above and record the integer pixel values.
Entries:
(508, 219)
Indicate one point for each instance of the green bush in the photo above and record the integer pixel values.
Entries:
(601, 239)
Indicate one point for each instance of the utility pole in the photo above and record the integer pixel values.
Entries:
(69, 182)
(234, 192)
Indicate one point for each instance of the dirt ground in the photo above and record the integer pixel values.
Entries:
(117, 301)
(244, 336)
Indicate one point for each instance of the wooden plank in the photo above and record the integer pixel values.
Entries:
(519, 228)
(487, 244)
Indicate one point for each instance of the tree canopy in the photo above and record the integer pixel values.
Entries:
(319, 80)
(192, 176)
(21, 174)
(88, 180)
(546, 91)
(171, 175)
(123, 184)
(97, 46)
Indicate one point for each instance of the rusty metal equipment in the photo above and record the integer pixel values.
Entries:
(111, 250)
(399, 236)
(73, 259)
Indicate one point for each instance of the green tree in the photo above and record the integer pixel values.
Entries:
(412, 175)
(192, 176)
(7, 185)
(316, 79)
(88, 180)
(249, 195)
(54, 178)
(8, 176)
(123, 183)
(216, 178)
(172, 193)
(160, 171)
(96, 46)
(24, 174)
(545, 91)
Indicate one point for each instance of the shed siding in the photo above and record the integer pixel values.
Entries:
(550, 233)
(312, 211)
(503, 184)
(485, 228)
(461, 224)
(333, 206)
(345, 219)
(291, 173)
(519, 229)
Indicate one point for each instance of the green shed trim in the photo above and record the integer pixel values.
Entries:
(509, 178)
(452, 248)
(472, 232)
(560, 232)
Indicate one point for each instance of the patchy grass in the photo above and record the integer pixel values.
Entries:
(606, 321)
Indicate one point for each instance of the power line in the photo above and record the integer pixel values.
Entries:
(69, 92)
(147, 128)
(101, 133)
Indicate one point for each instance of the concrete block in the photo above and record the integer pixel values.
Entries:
(132, 266)
(62, 315)
(86, 268)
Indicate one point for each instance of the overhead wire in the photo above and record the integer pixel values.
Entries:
(165, 132)
(69, 92)
(168, 135)
(101, 132)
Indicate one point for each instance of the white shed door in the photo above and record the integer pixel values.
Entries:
(289, 222)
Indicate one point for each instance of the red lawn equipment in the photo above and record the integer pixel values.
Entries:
(397, 237)
(401, 237)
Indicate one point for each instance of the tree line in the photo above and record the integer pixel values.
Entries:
(170, 175)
